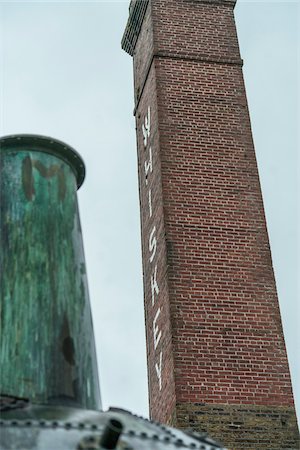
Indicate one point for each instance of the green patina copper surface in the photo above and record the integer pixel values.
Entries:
(47, 351)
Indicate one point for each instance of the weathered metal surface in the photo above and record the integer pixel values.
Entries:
(45, 428)
(47, 351)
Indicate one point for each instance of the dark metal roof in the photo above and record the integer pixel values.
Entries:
(35, 142)
(137, 10)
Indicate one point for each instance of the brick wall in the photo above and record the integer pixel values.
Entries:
(216, 352)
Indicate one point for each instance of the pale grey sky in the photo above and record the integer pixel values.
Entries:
(63, 74)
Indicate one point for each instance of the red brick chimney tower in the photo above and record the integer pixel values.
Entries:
(216, 354)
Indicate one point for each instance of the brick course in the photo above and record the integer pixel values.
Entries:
(210, 297)
(242, 427)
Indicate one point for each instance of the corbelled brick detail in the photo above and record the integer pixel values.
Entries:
(215, 347)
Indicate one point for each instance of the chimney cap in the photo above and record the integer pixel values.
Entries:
(35, 142)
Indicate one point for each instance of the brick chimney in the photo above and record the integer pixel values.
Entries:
(216, 354)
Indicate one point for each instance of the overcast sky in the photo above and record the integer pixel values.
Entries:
(63, 74)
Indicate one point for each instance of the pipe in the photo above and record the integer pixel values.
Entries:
(47, 349)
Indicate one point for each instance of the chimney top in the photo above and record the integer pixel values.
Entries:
(46, 144)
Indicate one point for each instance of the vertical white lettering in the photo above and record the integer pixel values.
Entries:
(152, 244)
(150, 202)
(154, 285)
(156, 331)
(148, 164)
(146, 127)
(158, 369)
